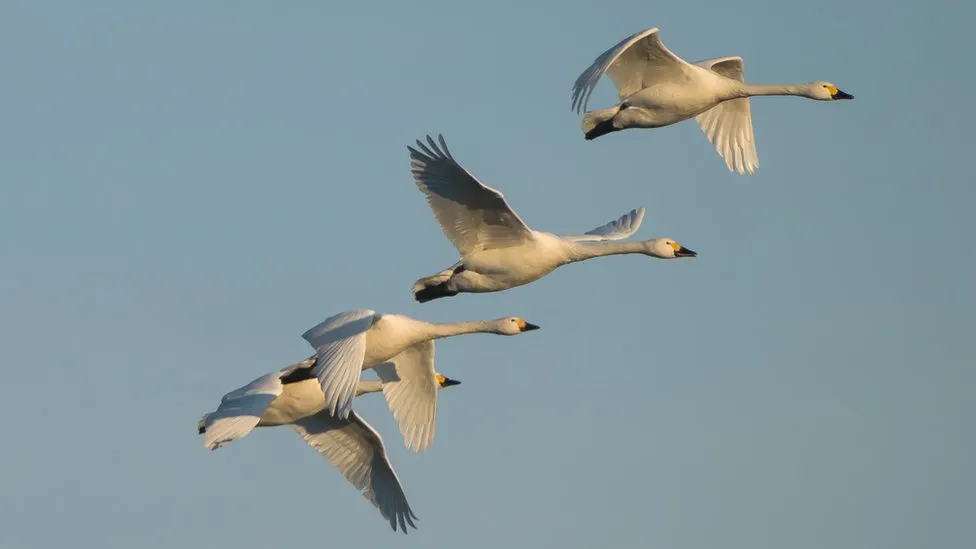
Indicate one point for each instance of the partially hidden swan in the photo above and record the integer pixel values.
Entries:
(498, 250)
(400, 349)
(293, 397)
(657, 88)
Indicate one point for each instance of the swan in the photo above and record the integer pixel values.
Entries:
(292, 397)
(657, 88)
(401, 350)
(498, 250)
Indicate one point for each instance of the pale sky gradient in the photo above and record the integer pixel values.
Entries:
(187, 187)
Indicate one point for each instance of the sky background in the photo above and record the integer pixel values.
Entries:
(186, 188)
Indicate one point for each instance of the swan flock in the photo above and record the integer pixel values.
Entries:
(496, 251)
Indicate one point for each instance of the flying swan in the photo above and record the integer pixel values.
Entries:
(293, 397)
(498, 250)
(657, 88)
(399, 348)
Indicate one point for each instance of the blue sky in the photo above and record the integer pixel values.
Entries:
(185, 189)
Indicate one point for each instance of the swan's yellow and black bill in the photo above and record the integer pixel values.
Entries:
(528, 327)
(685, 252)
(837, 94)
(447, 382)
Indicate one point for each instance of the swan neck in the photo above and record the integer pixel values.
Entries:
(449, 329)
(582, 252)
(369, 386)
(749, 90)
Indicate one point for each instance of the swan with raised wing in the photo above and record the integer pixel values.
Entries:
(657, 88)
(293, 397)
(498, 250)
(400, 349)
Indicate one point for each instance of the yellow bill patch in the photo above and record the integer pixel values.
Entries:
(440, 379)
(520, 323)
(675, 246)
(832, 89)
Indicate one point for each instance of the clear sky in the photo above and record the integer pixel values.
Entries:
(186, 188)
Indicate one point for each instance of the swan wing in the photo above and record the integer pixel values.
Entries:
(410, 388)
(632, 64)
(728, 125)
(340, 347)
(473, 216)
(618, 229)
(358, 452)
(240, 411)
(729, 67)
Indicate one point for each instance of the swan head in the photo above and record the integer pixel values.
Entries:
(666, 248)
(444, 381)
(825, 91)
(513, 325)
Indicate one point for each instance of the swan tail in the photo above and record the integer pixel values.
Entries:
(597, 123)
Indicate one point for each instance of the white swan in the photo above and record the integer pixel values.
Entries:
(292, 397)
(498, 250)
(657, 88)
(401, 349)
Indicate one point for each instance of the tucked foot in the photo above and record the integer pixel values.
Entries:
(602, 128)
(432, 292)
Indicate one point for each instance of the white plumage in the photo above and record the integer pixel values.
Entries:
(293, 397)
(657, 88)
(498, 250)
(402, 350)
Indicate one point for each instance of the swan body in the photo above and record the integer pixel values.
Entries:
(657, 88)
(498, 250)
(401, 350)
(292, 396)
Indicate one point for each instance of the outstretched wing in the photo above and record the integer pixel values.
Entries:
(633, 64)
(358, 452)
(728, 125)
(240, 411)
(618, 229)
(472, 215)
(340, 347)
(410, 388)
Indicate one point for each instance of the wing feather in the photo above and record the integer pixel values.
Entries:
(624, 226)
(240, 411)
(632, 64)
(357, 451)
(728, 125)
(410, 388)
(340, 347)
(472, 215)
